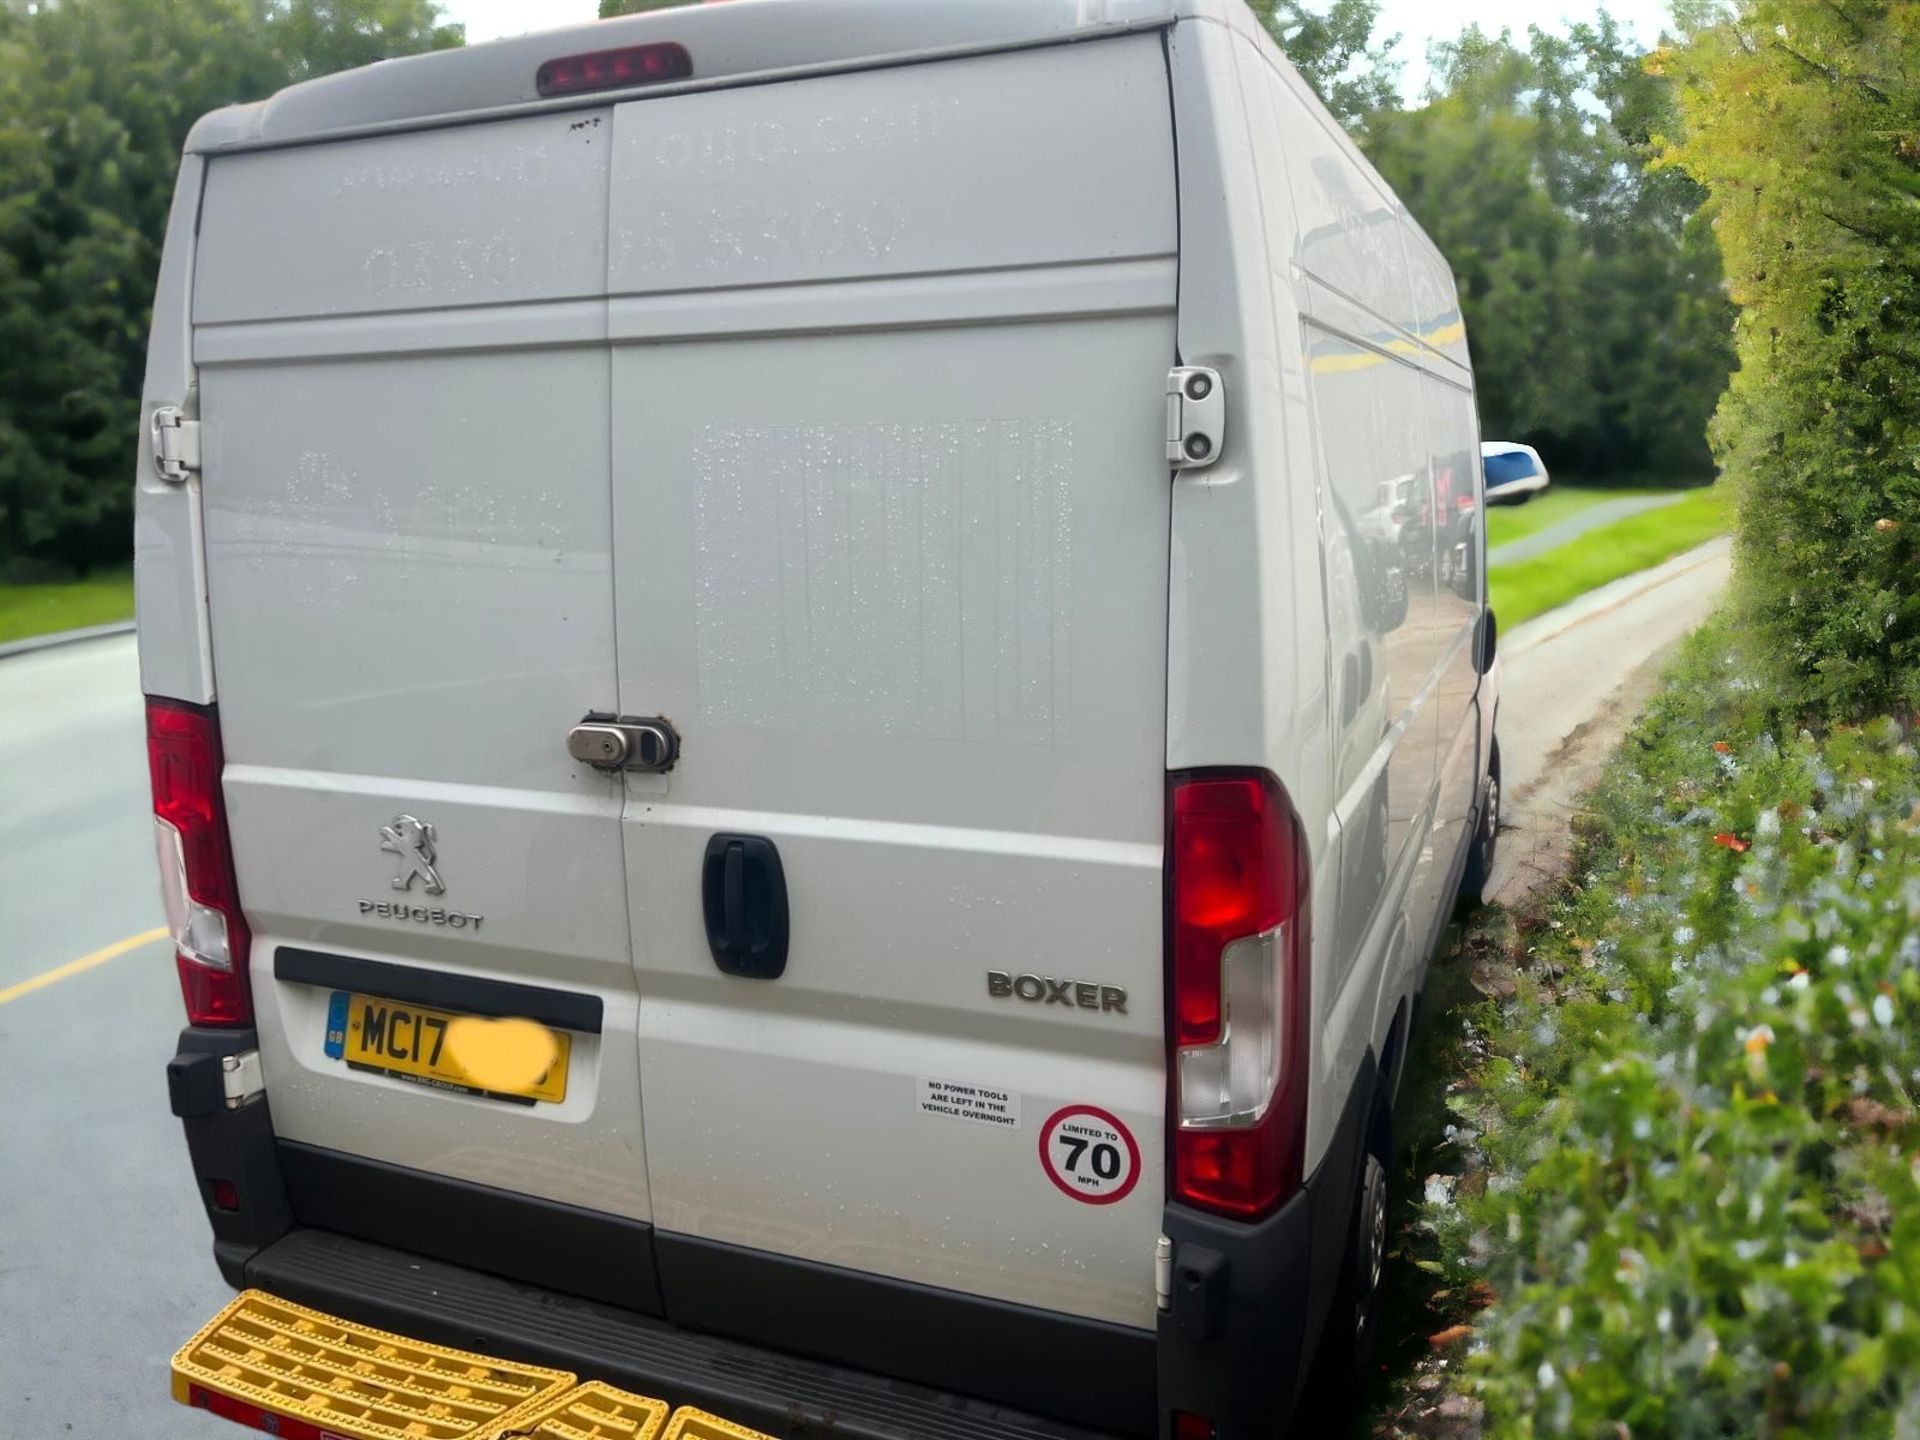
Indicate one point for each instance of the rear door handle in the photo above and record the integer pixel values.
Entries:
(743, 892)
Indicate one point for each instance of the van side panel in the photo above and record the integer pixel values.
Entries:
(1382, 609)
(890, 505)
(1453, 435)
(1402, 577)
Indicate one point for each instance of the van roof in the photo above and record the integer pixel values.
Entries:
(727, 42)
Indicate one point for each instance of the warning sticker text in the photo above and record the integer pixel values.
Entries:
(982, 1104)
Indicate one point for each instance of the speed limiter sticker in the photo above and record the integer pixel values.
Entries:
(1089, 1154)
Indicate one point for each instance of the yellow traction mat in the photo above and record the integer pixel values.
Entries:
(594, 1411)
(261, 1355)
(305, 1375)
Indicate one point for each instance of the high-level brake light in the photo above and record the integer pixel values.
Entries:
(1238, 955)
(196, 862)
(613, 69)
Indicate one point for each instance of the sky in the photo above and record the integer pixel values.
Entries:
(1418, 22)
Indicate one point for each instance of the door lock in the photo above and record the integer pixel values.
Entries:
(624, 742)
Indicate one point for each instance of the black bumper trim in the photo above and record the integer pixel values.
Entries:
(235, 1146)
(1087, 1372)
(443, 989)
(770, 1391)
(581, 1252)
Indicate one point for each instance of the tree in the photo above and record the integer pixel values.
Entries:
(1802, 120)
(1336, 53)
(96, 98)
(611, 8)
(1592, 297)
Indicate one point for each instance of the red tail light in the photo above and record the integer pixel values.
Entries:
(613, 69)
(1238, 950)
(196, 862)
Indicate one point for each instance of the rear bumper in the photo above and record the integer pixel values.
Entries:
(805, 1346)
(769, 1390)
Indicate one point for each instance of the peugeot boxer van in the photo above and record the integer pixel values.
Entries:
(818, 568)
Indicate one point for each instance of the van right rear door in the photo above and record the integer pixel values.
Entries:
(891, 520)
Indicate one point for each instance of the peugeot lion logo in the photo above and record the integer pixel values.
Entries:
(412, 841)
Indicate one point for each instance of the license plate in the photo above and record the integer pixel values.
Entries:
(411, 1042)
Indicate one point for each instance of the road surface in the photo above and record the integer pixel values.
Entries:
(1571, 680)
(104, 1255)
(105, 1264)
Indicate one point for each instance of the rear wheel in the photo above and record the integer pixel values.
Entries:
(1353, 1327)
(1486, 835)
(1369, 1260)
(1332, 1393)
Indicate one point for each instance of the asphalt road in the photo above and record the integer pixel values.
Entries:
(105, 1265)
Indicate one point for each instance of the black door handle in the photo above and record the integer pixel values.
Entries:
(743, 892)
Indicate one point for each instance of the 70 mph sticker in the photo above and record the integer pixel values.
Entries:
(1089, 1154)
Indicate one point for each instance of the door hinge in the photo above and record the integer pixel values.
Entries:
(176, 444)
(1196, 416)
(1163, 1273)
(240, 1078)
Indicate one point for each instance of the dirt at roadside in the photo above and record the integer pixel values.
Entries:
(1536, 834)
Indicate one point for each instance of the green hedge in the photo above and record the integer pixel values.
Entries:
(1694, 1179)
(1802, 119)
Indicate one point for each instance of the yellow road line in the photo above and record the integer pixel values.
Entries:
(85, 962)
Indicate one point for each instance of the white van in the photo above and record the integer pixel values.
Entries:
(822, 556)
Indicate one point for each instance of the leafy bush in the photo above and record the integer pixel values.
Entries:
(1801, 119)
(1696, 1192)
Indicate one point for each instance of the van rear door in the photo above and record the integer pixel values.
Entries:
(891, 515)
(403, 384)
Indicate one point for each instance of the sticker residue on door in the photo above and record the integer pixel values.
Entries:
(981, 1104)
(893, 580)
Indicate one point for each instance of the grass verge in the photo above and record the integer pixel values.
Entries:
(29, 610)
(1531, 587)
(1678, 1193)
(1560, 502)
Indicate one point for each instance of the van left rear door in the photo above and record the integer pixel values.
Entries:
(403, 385)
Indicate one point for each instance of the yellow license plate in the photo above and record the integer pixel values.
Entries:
(502, 1059)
